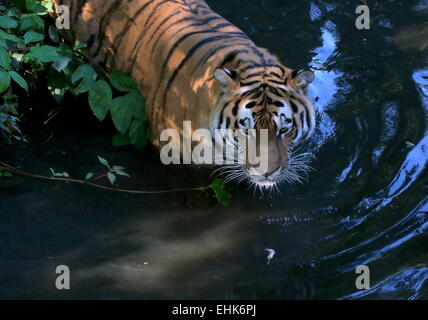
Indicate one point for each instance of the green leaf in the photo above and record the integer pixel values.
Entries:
(61, 64)
(31, 21)
(54, 34)
(121, 113)
(104, 162)
(122, 82)
(32, 36)
(45, 53)
(111, 177)
(19, 80)
(5, 60)
(222, 196)
(4, 81)
(7, 174)
(120, 140)
(8, 36)
(79, 45)
(88, 75)
(7, 23)
(48, 5)
(139, 133)
(58, 84)
(138, 104)
(89, 176)
(100, 99)
(39, 7)
(121, 173)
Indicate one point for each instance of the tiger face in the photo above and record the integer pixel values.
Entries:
(274, 101)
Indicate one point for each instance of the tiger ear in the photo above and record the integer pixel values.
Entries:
(303, 78)
(226, 77)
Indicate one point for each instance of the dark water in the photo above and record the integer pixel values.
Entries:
(366, 203)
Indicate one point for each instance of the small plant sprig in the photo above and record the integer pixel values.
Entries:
(112, 172)
(216, 188)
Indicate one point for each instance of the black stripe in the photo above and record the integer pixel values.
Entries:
(162, 23)
(139, 42)
(275, 74)
(220, 122)
(252, 75)
(301, 119)
(178, 42)
(189, 55)
(256, 95)
(293, 106)
(275, 81)
(274, 91)
(250, 92)
(260, 55)
(118, 40)
(103, 22)
(308, 120)
(306, 110)
(280, 68)
(283, 90)
(247, 68)
(256, 65)
(243, 84)
(184, 37)
(222, 25)
(236, 108)
(196, 24)
(212, 52)
(230, 57)
(227, 122)
(154, 10)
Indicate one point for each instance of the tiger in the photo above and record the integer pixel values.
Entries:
(193, 65)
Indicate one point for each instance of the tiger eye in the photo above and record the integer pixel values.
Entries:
(284, 130)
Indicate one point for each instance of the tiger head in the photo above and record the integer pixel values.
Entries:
(272, 100)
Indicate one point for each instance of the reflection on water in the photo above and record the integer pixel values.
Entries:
(324, 86)
(365, 203)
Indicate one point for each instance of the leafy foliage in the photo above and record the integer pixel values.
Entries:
(220, 192)
(31, 47)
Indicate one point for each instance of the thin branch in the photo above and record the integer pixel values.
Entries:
(11, 169)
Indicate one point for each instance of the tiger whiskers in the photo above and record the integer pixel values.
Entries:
(298, 167)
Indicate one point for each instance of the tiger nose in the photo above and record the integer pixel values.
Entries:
(268, 174)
